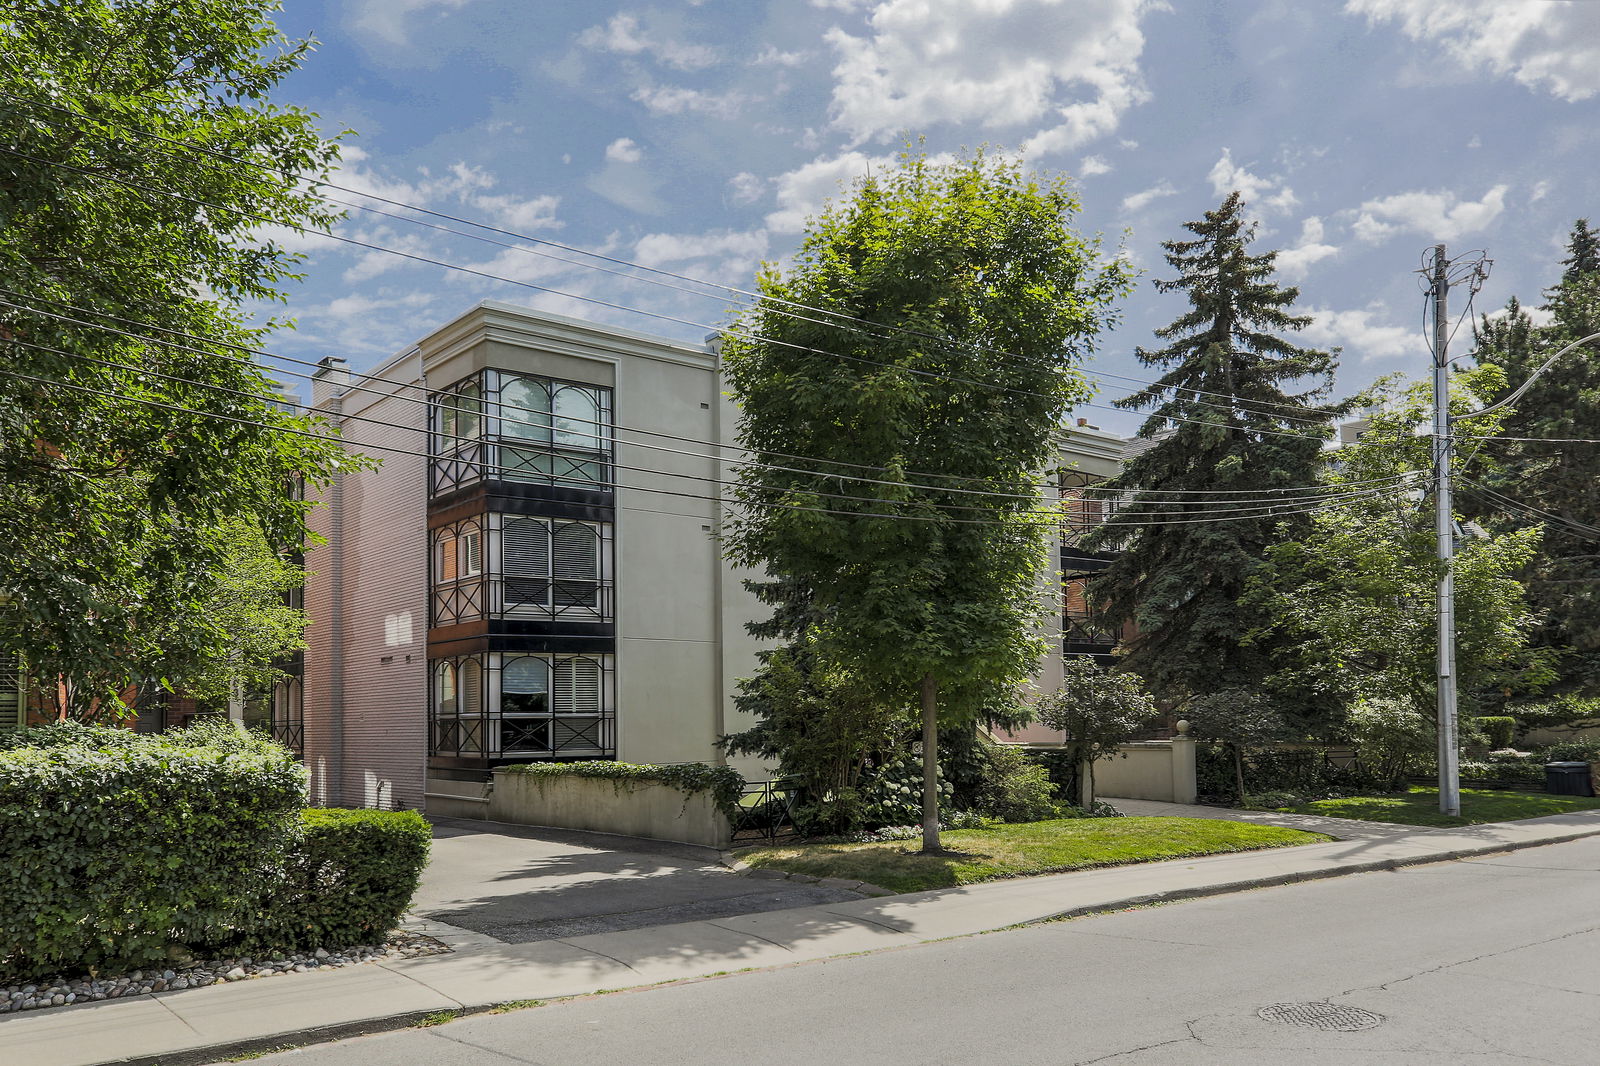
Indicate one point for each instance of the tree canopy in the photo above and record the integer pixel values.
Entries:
(144, 170)
(1237, 413)
(1352, 601)
(925, 395)
(1553, 483)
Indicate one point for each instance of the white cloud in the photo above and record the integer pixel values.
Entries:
(1357, 333)
(1093, 165)
(1436, 215)
(1549, 46)
(1309, 249)
(1140, 200)
(1068, 67)
(390, 20)
(623, 150)
(624, 35)
(1227, 176)
(771, 56)
(668, 100)
(802, 192)
(1540, 191)
(746, 188)
(656, 249)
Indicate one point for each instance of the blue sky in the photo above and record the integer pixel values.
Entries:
(697, 136)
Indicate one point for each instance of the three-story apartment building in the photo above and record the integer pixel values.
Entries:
(533, 571)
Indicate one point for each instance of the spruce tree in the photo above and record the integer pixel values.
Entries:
(1555, 482)
(1224, 418)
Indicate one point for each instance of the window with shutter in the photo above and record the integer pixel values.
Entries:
(577, 686)
(525, 562)
(446, 562)
(471, 553)
(471, 691)
(576, 565)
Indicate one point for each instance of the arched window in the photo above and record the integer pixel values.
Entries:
(525, 686)
(444, 700)
(577, 419)
(525, 410)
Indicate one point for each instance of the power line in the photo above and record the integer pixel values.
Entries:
(728, 330)
(1050, 518)
(600, 427)
(766, 299)
(1213, 505)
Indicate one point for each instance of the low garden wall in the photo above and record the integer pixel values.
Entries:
(619, 798)
(1153, 770)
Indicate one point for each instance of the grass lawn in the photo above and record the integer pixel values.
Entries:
(1420, 806)
(1029, 848)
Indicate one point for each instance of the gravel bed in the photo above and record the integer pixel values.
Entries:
(59, 991)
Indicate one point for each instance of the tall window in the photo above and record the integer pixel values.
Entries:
(458, 447)
(458, 570)
(502, 705)
(554, 432)
(551, 566)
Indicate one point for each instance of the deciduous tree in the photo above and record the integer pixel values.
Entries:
(143, 168)
(955, 300)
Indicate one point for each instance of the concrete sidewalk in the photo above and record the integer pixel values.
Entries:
(205, 1024)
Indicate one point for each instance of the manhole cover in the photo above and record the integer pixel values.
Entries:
(1329, 1017)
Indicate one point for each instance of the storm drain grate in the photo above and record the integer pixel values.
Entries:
(1328, 1017)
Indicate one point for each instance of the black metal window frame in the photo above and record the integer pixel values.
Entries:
(487, 705)
(528, 566)
(523, 428)
(458, 589)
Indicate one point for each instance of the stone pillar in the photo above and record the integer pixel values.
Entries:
(1184, 781)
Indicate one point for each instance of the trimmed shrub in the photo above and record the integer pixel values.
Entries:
(725, 784)
(1499, 729)
(1016, 788)
(117, 846)
(347, 880)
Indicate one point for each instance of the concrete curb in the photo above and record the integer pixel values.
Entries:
(744, 869)
(459, 1004)
(1274, 880)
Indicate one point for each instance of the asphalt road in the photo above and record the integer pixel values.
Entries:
(1492, 960)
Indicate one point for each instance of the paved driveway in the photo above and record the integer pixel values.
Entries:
(520, 884)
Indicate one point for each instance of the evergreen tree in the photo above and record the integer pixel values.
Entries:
(1555, 484)
(1224, 419)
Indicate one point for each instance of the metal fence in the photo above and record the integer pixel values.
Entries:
(766, 813)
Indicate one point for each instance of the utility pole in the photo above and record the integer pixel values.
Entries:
(1444, 528)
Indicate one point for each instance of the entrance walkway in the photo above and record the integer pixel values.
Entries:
(1338, 828)
(520, 884)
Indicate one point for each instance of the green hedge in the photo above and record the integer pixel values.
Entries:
(121, 850)
(348, 878)
(115, 848)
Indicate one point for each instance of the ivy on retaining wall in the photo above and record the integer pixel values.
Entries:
(725, 784)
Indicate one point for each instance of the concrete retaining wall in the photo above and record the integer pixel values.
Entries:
(604, 805)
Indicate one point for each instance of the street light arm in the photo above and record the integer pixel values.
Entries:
(1515, 396)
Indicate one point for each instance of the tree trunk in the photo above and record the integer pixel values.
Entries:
(930, 766)
(1238, 773)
